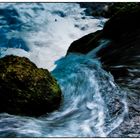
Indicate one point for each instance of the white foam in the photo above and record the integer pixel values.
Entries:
(47, 34)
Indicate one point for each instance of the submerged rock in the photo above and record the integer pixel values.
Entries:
(26, 89)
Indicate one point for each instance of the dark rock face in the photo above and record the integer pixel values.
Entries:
(26, 89)
(113, 8)
(86, 43)
(120, 23)
(121, 57)
(106, 9)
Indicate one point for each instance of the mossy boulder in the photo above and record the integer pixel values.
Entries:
(26, 89)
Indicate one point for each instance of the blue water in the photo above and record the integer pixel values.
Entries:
(93, 104)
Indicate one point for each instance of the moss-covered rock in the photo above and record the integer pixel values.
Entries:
(26, 89)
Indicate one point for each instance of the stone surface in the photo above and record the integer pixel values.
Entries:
(121, 58)
(86, 43)
(106, 9)
(26, 89)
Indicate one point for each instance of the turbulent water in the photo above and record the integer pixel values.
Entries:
(43, 32)
(93, 104)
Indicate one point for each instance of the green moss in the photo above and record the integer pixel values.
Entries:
(26, 89)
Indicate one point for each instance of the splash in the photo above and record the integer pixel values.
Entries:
(46, 29)
(93, 105)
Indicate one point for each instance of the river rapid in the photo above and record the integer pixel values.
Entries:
(93, 104)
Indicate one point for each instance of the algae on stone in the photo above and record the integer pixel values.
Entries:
(26, 89)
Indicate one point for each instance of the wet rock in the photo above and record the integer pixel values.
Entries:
(86, 43)
(121, 55)
(26, 89)
(120, 23)
(113, 8)
(106, 9)
(121, 58)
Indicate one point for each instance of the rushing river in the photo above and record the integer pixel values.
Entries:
(93, 104)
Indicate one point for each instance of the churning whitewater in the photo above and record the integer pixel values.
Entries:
(43, 31)
(93, 104)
